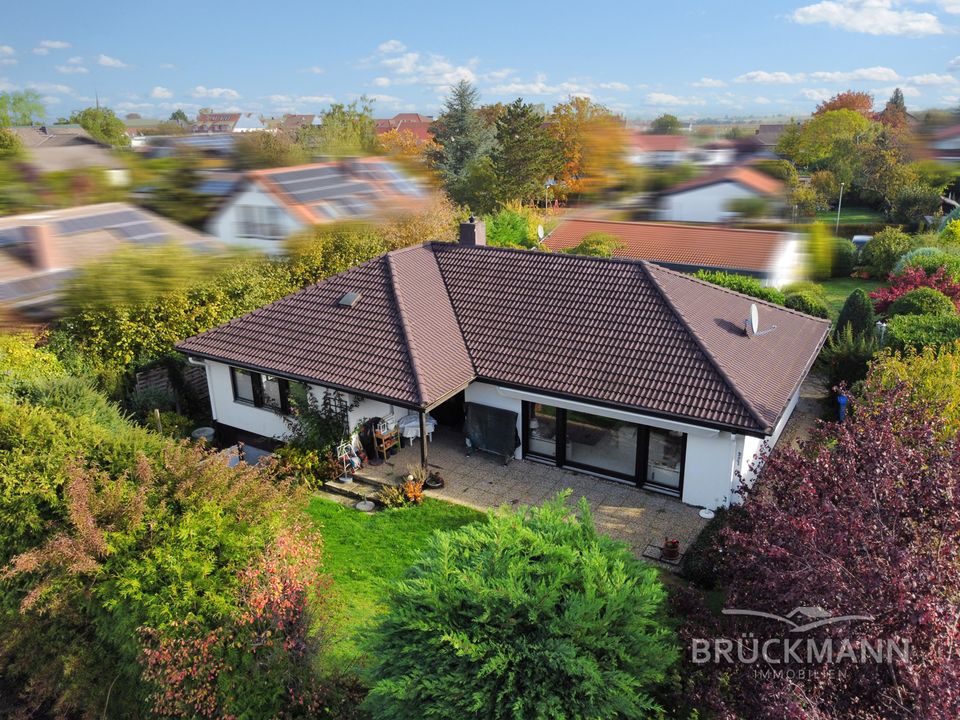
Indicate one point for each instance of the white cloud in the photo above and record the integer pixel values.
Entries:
(315, 70)
(873, 17)
(318, 99)
(816, 94)
(168, 66)
(50, 88)
(951, 6)
(384, 98)
(618, 86)
(218, 93)
(8, 61)
(381, 81)
(72, 69)
(907, 91)
(161, 93)
(666, 100)
(760, 100)
(709, 83)
(54, 44)
(875, 74)
(112, 62)
(540, 86)
(951, 99)
(954, 65)
(7, 51)
(933, 79)
(6, 85)
(433, 70)
(40, 51)
(50, 100)
(777, 77)
(76, 60)
(391, 46)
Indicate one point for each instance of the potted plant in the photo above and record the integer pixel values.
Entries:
(671, 550)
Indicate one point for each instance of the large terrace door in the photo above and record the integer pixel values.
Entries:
(618, 449)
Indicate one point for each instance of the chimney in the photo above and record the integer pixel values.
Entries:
(473, 232)
(40, 243)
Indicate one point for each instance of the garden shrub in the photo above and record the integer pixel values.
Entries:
(703, 561)
(920, 331)
(844, 257)
(930, 259)
(846, 356)
(950, 234)
(912, 279)
(596, 244)
(922, 301)
(806, 286)
(742, 284)
(749, 207)
(857, 312)
(530, 615)
(883, 251)
(806, 303)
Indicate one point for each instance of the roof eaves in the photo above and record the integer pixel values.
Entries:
(761, 424)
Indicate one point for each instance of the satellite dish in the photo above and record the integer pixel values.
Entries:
(754, 319)
(540, 231)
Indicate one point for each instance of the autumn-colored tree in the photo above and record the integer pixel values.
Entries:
(894, 113)
(860, 102)
(593, 142)
(403, 145)
(862, 519)
(913, 278)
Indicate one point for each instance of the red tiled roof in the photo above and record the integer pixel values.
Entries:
(741, 174)
(659, 143)
(622, 333)
(947, 133)
(679, 246)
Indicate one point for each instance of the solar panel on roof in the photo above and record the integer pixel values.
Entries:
(11, 236)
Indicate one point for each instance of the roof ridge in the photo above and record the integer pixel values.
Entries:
(412, 352)
(687, 226)
(446, 289)
(747, 405)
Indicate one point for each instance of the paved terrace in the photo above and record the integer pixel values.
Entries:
(482, 481)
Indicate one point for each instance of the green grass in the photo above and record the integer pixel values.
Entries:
(838, 289)
(850, 216)
(365, 554)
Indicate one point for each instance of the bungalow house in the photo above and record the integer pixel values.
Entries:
(617, 368)
(708, 199)
(658, 150)
(772, 257)
(58, 148)
(415, 123)
(270, 205)
(40, 251)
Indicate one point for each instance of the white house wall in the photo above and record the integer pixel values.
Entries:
(708, 470)
(708, 204)
(225, 224)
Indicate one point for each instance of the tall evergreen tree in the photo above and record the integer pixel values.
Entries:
(526, 153)
(460, 134)
(857, 312)
(894, 113)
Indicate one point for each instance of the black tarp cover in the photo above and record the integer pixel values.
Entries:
(491, 429)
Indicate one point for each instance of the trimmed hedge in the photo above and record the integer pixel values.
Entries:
(920, 331)
(741, 284)
(923, 301)
(808, 303)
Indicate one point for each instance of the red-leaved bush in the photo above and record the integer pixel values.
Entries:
(259, 663)
(910, 279)
(863, 519)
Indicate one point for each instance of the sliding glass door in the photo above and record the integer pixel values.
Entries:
(615, 448)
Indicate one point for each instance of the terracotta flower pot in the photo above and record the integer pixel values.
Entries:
(671, 549)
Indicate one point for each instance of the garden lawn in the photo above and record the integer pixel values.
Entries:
(838, 290)
(365, 554)
(850, 216)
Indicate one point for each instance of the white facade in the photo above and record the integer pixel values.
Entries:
(707, 204)
(254, 218)
(713, 458)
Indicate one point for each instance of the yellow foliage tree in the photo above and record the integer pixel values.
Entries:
(594, 146)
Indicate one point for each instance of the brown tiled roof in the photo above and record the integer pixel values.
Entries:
(741, 174)
(659, 143)
(682, 247)
(621, 333)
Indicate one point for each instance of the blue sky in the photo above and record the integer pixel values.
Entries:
(696, 59)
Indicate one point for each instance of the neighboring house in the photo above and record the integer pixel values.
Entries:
(55, 148)
(769, 135)
(208, 122)
(707, 199)
(944, 145)
(718, 152)
(616, 368)
(39, 251)
(415, 123)
(217, 146)
(270, 205)
(658, 150)
(774, 258)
